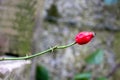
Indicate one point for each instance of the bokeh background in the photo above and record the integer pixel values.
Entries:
(31, 26)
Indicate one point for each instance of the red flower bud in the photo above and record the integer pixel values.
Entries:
(84, 37)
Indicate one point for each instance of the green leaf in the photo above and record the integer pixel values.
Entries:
(41, 73)
(95, 58)
(102, 78)
(83, 76)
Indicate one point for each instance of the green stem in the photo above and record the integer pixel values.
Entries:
(38, 54)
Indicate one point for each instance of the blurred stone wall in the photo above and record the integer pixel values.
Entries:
(7, 15)
(16, 25)
(95, 14)
(76, 16)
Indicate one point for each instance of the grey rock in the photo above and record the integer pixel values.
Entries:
(14, 70)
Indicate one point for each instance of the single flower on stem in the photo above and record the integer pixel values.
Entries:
(81, 39)
(84, 37)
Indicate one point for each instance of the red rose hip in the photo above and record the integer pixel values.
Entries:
(84, 37)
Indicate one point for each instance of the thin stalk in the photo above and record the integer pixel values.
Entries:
(38, 54)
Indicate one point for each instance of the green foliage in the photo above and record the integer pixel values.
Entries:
(41, 73)
(83, 76)
(102, 78)
(95, 58)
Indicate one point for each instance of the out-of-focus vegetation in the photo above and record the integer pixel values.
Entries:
(42, 73)
(95, 58)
